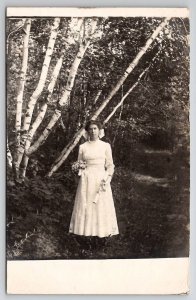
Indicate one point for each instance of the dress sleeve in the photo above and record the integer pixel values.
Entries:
(80, 153)
(109, 160)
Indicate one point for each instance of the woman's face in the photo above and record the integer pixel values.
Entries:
(93, 132)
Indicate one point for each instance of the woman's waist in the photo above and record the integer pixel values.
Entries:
(95, 162)
(95, 167)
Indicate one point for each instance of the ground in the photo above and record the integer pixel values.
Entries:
(152, 205)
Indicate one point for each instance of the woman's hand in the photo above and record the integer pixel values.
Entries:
(103, 185)
(109, 178)
(104, 182)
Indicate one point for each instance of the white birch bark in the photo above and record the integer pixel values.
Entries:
(97, 96)
(25, 161)
(9, 156)
(64, 101)
(19, 99)
(38, 90)
(41, 114)
(43, 109)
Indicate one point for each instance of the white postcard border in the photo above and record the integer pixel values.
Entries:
(119, 276)
(98, 12)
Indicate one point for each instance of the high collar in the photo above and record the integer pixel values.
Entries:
(93, 142)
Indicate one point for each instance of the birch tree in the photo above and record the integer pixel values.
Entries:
(9, 156)
(64, 101)
(21, 84)
(36, 93)
(22, 79)
(43, 109)
(41, 114)
(65, 153)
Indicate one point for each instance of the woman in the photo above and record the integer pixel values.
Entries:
(94, 212)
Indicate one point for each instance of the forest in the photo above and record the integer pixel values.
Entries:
(131, 73)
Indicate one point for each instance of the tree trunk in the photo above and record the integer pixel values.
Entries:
(66, 151)
(19, 99)
(130, 68)
(40, 115)
(9, 156)
(38, 90)
(97, 96)
(24, 164)
(43, 109)
(119, 120)
(64, 101)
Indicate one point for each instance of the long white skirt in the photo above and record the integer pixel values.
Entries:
(89, 218)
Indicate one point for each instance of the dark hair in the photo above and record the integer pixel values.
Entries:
(93, 122)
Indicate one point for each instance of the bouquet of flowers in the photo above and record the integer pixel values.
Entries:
(78, 166)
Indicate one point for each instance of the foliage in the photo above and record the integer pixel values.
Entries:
(35, 205)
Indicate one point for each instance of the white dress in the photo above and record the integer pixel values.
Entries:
(90, 218)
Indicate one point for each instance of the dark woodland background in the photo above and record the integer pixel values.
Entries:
(149, 136)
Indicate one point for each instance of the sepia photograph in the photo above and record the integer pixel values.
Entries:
(97, 137)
